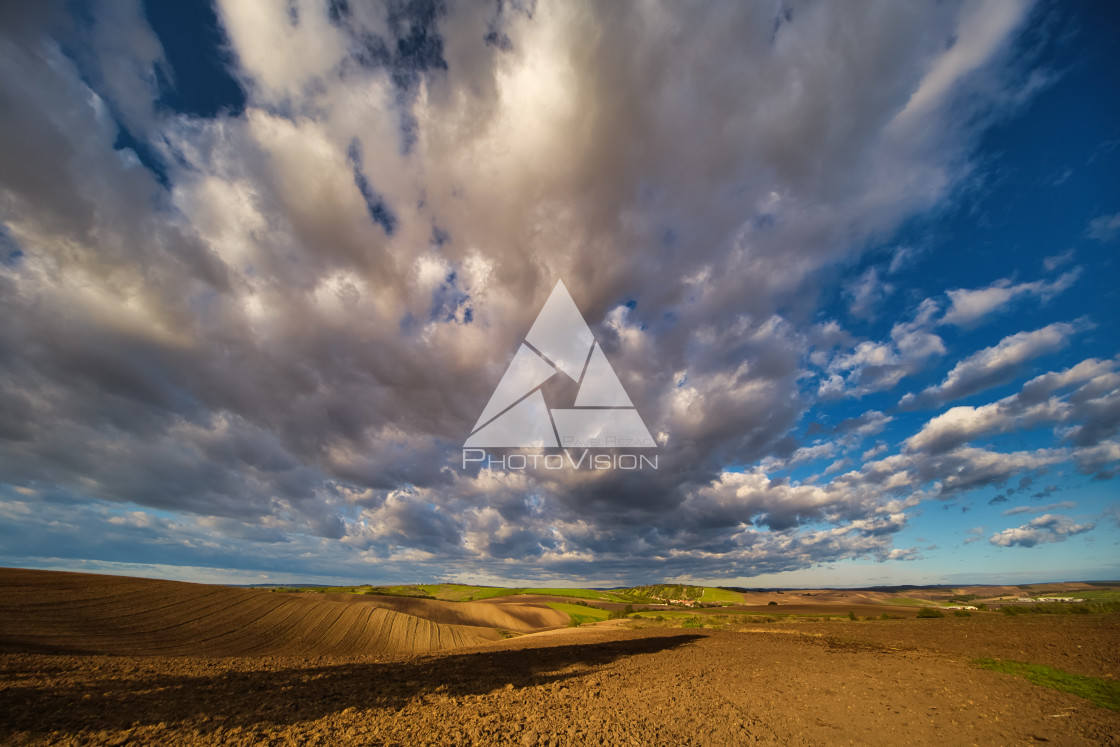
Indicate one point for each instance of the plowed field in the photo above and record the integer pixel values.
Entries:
(81, 613)
(515, 616)
(906, 681)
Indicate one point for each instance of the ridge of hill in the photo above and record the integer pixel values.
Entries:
(62, 612)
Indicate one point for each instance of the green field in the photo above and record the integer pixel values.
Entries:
(599, 596)
(663, 592)
(464, 593)
(723, 596)
(667, 614)
(737, 617)
(1101, 595)
(636, 595)
(446, 592)
(580, 614)
(650, 594)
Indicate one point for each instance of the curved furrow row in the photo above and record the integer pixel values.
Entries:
(68, 612)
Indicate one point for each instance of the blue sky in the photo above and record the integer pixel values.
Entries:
(263, 266)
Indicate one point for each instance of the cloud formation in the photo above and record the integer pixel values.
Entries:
(1063, 506)
(275, 320)
(1040, 530)
(969, 306)
(1092, 402)
(994, 365)
(1104, 227)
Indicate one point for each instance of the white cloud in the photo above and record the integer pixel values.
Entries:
(1055, 261)
(875, 366)
(1104, 227)
(1100, 459)
(874, 451)
(866, 292)
(994, 365)
(1063, 506)
(866, 424)
(970, 306)
(1040, 530)
(1093, 406)
(902, 257)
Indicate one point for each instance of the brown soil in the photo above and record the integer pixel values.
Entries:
(52, 612)
(514, 616)
(890, 682)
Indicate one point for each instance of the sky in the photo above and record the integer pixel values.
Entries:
(263, 264)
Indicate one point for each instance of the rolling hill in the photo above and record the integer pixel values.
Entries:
(57, 612)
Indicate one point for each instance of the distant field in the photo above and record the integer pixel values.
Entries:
(666, 614)
(650, 594)
(713, 594)
(724, 617)
(1094, 595)
(580, 614)
(808, 603)
(446, 592)
(602, 596)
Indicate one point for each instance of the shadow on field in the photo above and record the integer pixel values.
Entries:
(306, 693)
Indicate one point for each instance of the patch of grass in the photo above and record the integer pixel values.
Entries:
(600, 596)
(419, 591)
(930, 612)
(443, 592)
(908, 602)
(1095, 595)
(1061, 608)
(474, 593)
(712, 594)
(666, 614)
(1105, 693)
(728, 620)
(961, 613)
(579, 614)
